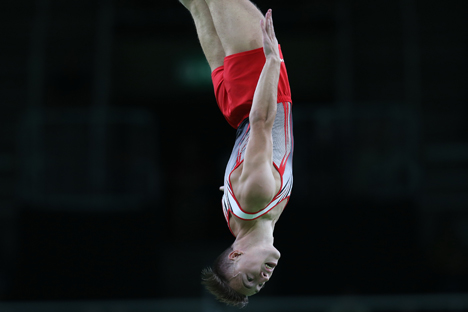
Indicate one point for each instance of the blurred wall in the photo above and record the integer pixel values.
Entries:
(113, 150)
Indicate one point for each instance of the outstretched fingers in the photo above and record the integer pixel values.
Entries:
(272, 28)
(266, 25)
(268, 19)
(270, 43)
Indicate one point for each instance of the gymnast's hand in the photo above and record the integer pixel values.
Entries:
(270, 43)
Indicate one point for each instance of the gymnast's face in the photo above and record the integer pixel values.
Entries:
(252, 269)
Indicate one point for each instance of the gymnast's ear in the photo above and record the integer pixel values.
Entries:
(235, 254)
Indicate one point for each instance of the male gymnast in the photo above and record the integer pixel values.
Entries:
(252, 91)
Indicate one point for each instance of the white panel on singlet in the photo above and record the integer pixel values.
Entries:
(282, 157)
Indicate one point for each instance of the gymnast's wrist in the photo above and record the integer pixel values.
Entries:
(274, 59)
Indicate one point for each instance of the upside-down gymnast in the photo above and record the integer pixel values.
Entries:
(252, 91)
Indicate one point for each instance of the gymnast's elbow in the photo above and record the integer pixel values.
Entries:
(263, 118)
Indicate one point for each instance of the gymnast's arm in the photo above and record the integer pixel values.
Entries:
(258, 185)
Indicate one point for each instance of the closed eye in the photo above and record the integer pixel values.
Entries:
(245, 284)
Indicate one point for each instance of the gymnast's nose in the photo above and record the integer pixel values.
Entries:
(264, 277)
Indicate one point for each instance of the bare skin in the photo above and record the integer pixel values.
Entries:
(237, 24)
(207, 34)
(227, 27)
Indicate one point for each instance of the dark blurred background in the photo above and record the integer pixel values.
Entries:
(112, 150)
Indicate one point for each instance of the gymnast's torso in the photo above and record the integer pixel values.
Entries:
(283, 146)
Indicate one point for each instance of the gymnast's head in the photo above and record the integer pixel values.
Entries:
(236, 275)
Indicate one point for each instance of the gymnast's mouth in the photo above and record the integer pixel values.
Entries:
(270, 266)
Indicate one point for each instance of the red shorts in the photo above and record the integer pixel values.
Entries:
(235, 82)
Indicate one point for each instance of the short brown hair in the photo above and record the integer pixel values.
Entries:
(216, 281)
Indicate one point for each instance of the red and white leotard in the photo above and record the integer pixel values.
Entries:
(235, 83)
(282, 160)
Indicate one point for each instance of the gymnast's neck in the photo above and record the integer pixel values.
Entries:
(259, 233)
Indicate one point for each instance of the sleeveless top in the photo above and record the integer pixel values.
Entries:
(283, 145)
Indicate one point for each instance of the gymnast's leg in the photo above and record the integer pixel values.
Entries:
(237, 23)
(206, 31)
